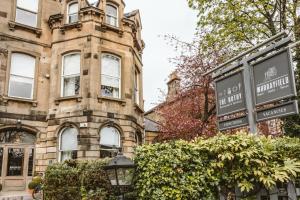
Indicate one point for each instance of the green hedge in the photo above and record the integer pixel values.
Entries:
(199, 170)
(74, 180)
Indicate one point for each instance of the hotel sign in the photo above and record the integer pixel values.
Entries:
(283, 110)
(230, 94)
(273, 78)
(233, 123)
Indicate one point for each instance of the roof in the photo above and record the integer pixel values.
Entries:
(151, 126)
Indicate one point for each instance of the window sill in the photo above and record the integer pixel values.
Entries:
(116, 29)
(65, 27)
(6, 99)
(15, 25)
(138, 108)
(102, 98)
(70, 98)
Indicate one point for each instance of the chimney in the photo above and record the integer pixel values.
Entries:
(173, 85)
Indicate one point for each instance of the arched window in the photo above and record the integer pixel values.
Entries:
(68, 144)
(109, 141)
(27, 11)
(70, 75)
(72, 12)
(21, 81)
(111, 76)
(112, 15)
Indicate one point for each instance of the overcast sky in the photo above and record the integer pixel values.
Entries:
(161, 17)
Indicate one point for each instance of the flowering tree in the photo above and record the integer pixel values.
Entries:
(191, 113)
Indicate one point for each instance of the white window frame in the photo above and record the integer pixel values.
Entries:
(69, 76)
(111, 16)
(60, 142)
(33, 79)
(30, 11)
(72, 14)
(120, 75)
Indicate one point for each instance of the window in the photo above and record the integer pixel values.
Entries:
(138, 138)
(26, 12)
(136, 87)
(109, 141)
(21, 82)
(70, 75)
(94, 3)
(111, 15)
(68, 144)
(72, 12)
(110, 76)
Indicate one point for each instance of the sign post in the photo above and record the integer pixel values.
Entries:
(262, 87)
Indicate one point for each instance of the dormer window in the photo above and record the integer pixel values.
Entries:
(72, 12)
(26, 12)
(112, 15)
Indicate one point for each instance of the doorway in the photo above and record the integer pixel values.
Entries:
(17, 154)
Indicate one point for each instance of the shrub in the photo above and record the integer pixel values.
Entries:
(199, 169)
(75, 180)
(32, 185)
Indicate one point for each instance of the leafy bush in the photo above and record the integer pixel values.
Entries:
(205, 167)
(74, 180)
(32, 185)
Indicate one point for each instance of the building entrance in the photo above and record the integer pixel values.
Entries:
(16, 159)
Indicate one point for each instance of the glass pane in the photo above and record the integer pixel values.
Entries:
(125, 176)
(20, 87)
(73, 18)
(69, 140)
(108, 91)
(31, 5)
(16, 137)
(71, 64)
(111, 10)
(73, 8)
(1, 160)
(26, 18)
(71, 86)
(93, 2)
(110, 66)
(112, 176)
(15, 162)
(110, 81)
(111, 20)
(22, 65)
(66, 155)
(30, 162)
(110, 136)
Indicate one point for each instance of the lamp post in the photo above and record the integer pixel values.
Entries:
(120, 171)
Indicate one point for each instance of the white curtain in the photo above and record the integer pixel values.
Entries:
(22, 65)
(68, 139)
(32, 5)
(110, 136)
(71, 64)
(111, 66)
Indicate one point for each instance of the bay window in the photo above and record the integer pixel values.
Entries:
(22, 72)
(110, 76)
(109, 141)
(72, 15)
(70, 75)
(111, 15)
(27, 12)
(68, 144)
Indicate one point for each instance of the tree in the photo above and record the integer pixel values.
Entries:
(240, 24)
(192, 112)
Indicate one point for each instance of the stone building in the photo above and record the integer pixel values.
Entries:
(70, 84)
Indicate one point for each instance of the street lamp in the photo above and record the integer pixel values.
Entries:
(120, 171)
